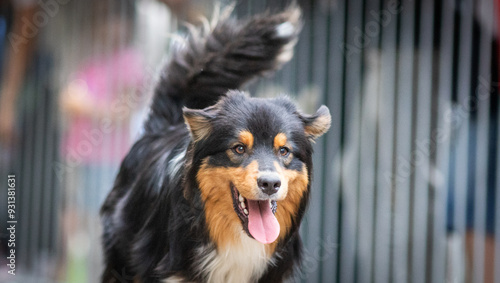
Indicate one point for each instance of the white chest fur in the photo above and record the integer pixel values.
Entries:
(245, 262)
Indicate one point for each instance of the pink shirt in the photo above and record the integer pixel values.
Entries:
(108, 80)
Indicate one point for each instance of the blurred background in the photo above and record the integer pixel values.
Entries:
(407, 181)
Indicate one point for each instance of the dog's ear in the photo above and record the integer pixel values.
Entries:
(199, 122)
(317, 124)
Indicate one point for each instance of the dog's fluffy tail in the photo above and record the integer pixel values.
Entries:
(220, 57)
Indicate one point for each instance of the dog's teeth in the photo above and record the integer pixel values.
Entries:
(241, 198)
(245, 211)
(270, 204)
(242, 204)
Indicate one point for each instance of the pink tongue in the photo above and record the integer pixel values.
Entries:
(262, 224)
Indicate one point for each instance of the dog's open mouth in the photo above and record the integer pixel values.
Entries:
(257, 217)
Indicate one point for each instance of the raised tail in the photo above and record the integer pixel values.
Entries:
(226, 56)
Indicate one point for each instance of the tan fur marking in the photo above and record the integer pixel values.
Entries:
(279, 140)
(246, 138)
(215, 192)
(289, 206)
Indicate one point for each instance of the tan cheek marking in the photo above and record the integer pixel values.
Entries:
(215, 192)
(246, 138)
(297, 182)
(245, 179)
(279, 140)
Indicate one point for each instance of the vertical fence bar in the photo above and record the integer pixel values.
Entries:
(333, 139)
(400, 272)
(461, 127)
(39, 87)
(57, 178)
(482, 94)
(302, 71)
(385, 105)
(317, 80)
(365, 237)
(420, 154)
(441, 138)
(367, 140)
(27, 175)
(349, 163)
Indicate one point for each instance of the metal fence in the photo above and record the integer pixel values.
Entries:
(405, 182)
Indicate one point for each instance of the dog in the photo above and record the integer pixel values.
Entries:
(216, 187)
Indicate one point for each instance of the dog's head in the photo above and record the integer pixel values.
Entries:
(252, 165)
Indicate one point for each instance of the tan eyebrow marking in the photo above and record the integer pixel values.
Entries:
(246, 138)
(280, 140)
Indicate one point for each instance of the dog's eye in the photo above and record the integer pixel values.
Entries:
(284, 151)
(239, 149)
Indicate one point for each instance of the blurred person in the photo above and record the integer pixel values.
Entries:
(97, 104)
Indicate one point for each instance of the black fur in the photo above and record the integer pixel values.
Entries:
(154, 220)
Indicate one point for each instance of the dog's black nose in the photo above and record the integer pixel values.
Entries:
(269, 183)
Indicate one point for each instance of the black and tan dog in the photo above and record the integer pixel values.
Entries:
(221, 199)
